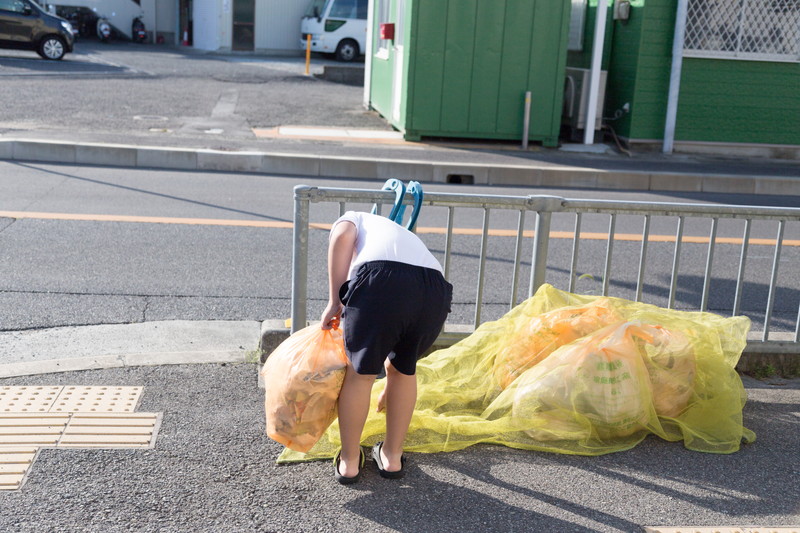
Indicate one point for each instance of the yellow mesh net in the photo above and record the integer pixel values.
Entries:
(576, 374)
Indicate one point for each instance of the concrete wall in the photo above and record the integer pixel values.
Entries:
(160, 18)
(278, 26)
(208, 32)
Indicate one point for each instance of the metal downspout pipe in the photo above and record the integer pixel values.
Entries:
(368, 55)
(675, 77)
(594, 74)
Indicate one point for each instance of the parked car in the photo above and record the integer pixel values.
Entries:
(26, 26)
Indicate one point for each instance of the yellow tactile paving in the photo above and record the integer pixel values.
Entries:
(67, 417)
(31, 440)
(11, 482)
(97, 399)
(722, 529)
(27, 399)
(14, 469)
(30, 429)
(14, 464)
(105, 441)
(12, 454)
(132, 419)
(18, 419)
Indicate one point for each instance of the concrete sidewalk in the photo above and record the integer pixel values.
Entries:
(173, 342)
(210, 467)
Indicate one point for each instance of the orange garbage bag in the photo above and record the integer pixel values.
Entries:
(669, 357)
(302, 380)
(543, 334)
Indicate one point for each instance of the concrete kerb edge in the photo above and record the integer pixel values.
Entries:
(273, 332)
(377, 168)
(103, 362)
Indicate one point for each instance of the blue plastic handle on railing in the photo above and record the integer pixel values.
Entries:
(415, 189)
(398, 210)
(399, 189)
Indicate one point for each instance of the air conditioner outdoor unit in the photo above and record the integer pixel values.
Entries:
(576, 98)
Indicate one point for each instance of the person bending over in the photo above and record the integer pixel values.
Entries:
(393, 300)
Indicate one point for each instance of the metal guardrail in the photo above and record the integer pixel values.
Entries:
(544, 207)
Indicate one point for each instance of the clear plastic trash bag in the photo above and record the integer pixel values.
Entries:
(674, 371)
(302, 380)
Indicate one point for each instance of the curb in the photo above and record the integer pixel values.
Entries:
(103, 362)
(753, 360)
(532, 175)
(104, 346)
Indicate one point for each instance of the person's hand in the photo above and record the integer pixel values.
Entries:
(330, 317)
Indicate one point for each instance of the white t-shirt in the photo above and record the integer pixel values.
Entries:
(380, 239)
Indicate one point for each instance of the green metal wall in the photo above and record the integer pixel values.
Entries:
(381, 88)
(637, 56)
(739, 102)
(471, 61)
(381, 75)
(720, 100)
(654, 63)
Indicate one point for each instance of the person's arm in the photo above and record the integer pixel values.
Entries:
(340, 254)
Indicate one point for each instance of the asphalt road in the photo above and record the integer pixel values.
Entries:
(79, 272)
(133, 88)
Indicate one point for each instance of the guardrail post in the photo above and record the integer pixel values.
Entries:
(300, 257)
(544, 207)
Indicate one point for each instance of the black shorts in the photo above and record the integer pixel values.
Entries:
(393, 310)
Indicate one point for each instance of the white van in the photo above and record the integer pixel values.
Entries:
(336, 27)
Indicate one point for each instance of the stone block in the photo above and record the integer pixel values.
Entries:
(166, 158)
(518, 176)
(405, 170)
(7, 149)
(571, 177)
(105, 155)
(447, 173)
(290, 164)
(729, 184)
(777, 186)
(335, 167)
(273, 332)
(44, 151)
(633, 181)
(230, 161)
(675, 182)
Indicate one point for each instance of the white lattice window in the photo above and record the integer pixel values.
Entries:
(766, 30)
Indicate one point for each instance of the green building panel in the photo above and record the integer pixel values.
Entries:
(459, 57)
(739, 102)
(468, 65)
(486, 76)
(653, 64)
(382, 67)
(428, 46)
(721, 100)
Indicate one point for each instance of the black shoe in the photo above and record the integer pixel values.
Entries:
(343, 479)
(376, 456)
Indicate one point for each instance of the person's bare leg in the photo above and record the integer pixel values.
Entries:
(353, 411)
(401, 397)
(382, 395)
